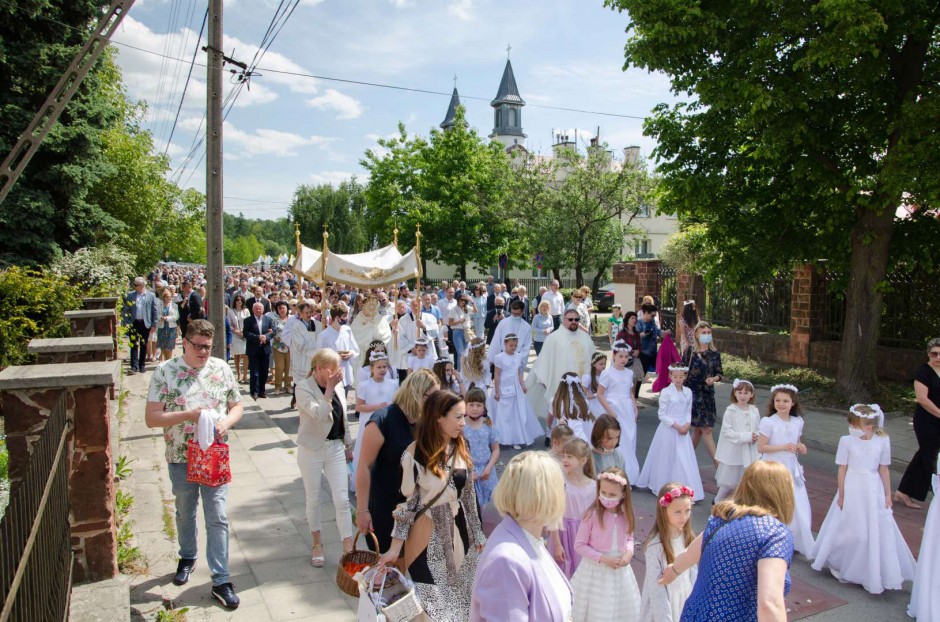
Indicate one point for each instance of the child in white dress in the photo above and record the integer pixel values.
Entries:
(604, 587)
(569, 406)
(925, 597)
(580, 494)
(737, 445)
(514, 419)
(589, 383)
(671, 534)
(420, 358)
(476, 371)
(779, 440)
(365, 372)
(615, 392)
(373, 393)
(859, 541)
(671, 456)
(449, 379)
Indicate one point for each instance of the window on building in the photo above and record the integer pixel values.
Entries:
(643, 249)
(512, 117)
(496, 117)
(644, 211)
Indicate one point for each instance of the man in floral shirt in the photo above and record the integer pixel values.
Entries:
(180, 388)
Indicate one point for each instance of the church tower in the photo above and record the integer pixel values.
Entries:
(507, 107)
(450, 117)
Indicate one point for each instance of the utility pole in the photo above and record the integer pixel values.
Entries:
(215, 271)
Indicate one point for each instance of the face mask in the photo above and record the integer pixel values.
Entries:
(705, 339)
(856, 432)
(609, 502)
(500, 308)
(342, 322)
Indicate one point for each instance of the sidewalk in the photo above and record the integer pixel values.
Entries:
(269, 544)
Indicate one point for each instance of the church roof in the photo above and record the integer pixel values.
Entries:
(451, 115)
(508, 92)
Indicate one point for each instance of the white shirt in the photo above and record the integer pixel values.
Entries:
(445, 306)
(556, 301)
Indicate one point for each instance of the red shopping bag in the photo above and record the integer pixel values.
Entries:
(210, 467)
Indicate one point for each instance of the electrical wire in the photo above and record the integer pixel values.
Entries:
(186, 85)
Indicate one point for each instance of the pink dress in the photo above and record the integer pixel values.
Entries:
(577, 502)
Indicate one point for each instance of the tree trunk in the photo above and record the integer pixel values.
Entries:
(871, 237)
(556, 274)
(596, 283)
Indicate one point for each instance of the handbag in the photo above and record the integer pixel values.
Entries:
(210, 467)
(419, 535)
(394, 600)
(507, 390)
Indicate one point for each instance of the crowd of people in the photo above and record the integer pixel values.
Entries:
(443, 379)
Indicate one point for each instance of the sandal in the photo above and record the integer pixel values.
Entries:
(317, 561)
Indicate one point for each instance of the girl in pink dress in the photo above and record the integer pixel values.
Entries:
(580, 494)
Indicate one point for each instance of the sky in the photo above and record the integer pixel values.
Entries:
(287, 130)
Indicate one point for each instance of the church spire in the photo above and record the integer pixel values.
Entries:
(507, 106)
(450, 117)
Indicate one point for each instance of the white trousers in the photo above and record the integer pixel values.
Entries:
(329, 460)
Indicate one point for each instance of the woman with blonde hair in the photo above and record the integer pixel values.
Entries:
(323, 446)
(438, 526)
(704, 362)
(517, 580)
(384, 439)
(744, 553)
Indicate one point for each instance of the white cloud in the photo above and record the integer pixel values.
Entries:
(268, 142)
(461, 9)
(331, 177)
(402, 4)
(347, 107)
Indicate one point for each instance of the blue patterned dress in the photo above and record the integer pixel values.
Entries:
(480, 441)
(726, 587)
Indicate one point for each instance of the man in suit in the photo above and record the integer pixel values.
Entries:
(190, 306)
(259, 297)
(494, 317)
(491, 299)
(140, 316)
(258, 331)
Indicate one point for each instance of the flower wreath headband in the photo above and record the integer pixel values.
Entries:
(621, 346)
(377, 356)
(783, 387)
(613, 477)
(876, 413)
(675, 493)
(474, 346)
(739, 381)
(679, 367)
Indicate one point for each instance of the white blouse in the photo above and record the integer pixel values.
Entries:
(556, 580)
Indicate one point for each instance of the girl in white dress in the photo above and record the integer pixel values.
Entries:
(372, 394)
(590, 383)
(925, 597)
(604, 586)
(515, 422)
(671, 534)
(448, 377)
(476, 371)
(671, 456)
(365, 372)
(779, 440)
(615, 392)
(737, 445)
(420, 358)
(859, 541)
(570, 407)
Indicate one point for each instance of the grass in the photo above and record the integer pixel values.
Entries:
(122, 469)
(170, 614)
(169, 524)
(816, 388)
(129, 557)
(122, 404)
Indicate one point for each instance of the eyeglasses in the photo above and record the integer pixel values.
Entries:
(934, 355)
(201, 347)
(571, 319)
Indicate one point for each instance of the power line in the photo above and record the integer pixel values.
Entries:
(186, 86)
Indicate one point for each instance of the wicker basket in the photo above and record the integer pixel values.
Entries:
(396, 588)
(344, 580)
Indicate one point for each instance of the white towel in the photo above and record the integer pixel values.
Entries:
(205, 428)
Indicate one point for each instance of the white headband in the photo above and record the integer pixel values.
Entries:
(739, 381)
(679, 367)
(621, 346)
(572, 382)
(783, 387)
(443, 359)
(377, 356)
(689, 302)
(875, 414)
(421, 342)
(474, 346)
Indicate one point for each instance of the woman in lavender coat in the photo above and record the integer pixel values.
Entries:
(516, 579)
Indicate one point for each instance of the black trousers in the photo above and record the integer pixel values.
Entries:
(557, 320)
(139, 334)
(916, 480)
(258, 364)
(648, 361)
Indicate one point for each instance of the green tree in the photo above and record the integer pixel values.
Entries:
(807, 125)
(579, 208)
(454, 184)
(243, 250)
(340, 209)
(48, 209)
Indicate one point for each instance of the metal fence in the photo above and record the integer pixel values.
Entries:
(910, 314)
(763, 306)
(35, 547)
(532, 285)
(668, 298)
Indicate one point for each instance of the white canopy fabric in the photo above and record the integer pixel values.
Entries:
(378, 268)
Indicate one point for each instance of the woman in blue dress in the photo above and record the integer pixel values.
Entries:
(744, 553)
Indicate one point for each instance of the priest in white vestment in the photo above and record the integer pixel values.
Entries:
(566, 349)
(369, 325)
(516, 325)
(407, 329)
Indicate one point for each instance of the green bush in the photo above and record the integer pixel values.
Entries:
(32, 304)
(104, 270)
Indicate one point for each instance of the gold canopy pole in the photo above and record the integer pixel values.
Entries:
(323, 259)
(418, 254)
(395, 237)
(300, 287)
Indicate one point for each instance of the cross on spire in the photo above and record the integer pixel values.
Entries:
(455, 80)
(508, 49)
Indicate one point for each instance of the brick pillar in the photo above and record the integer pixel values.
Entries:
(71, 350)
(28, 394)
(109, 302)
(807, 311)
(690, 287)
(94, 323)
(649, 281)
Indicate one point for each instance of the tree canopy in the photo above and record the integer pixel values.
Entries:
(341, 209)
(805, 126)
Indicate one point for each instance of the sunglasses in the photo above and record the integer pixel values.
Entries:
(571, 319)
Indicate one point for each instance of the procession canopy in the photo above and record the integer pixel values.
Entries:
(379, 268)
